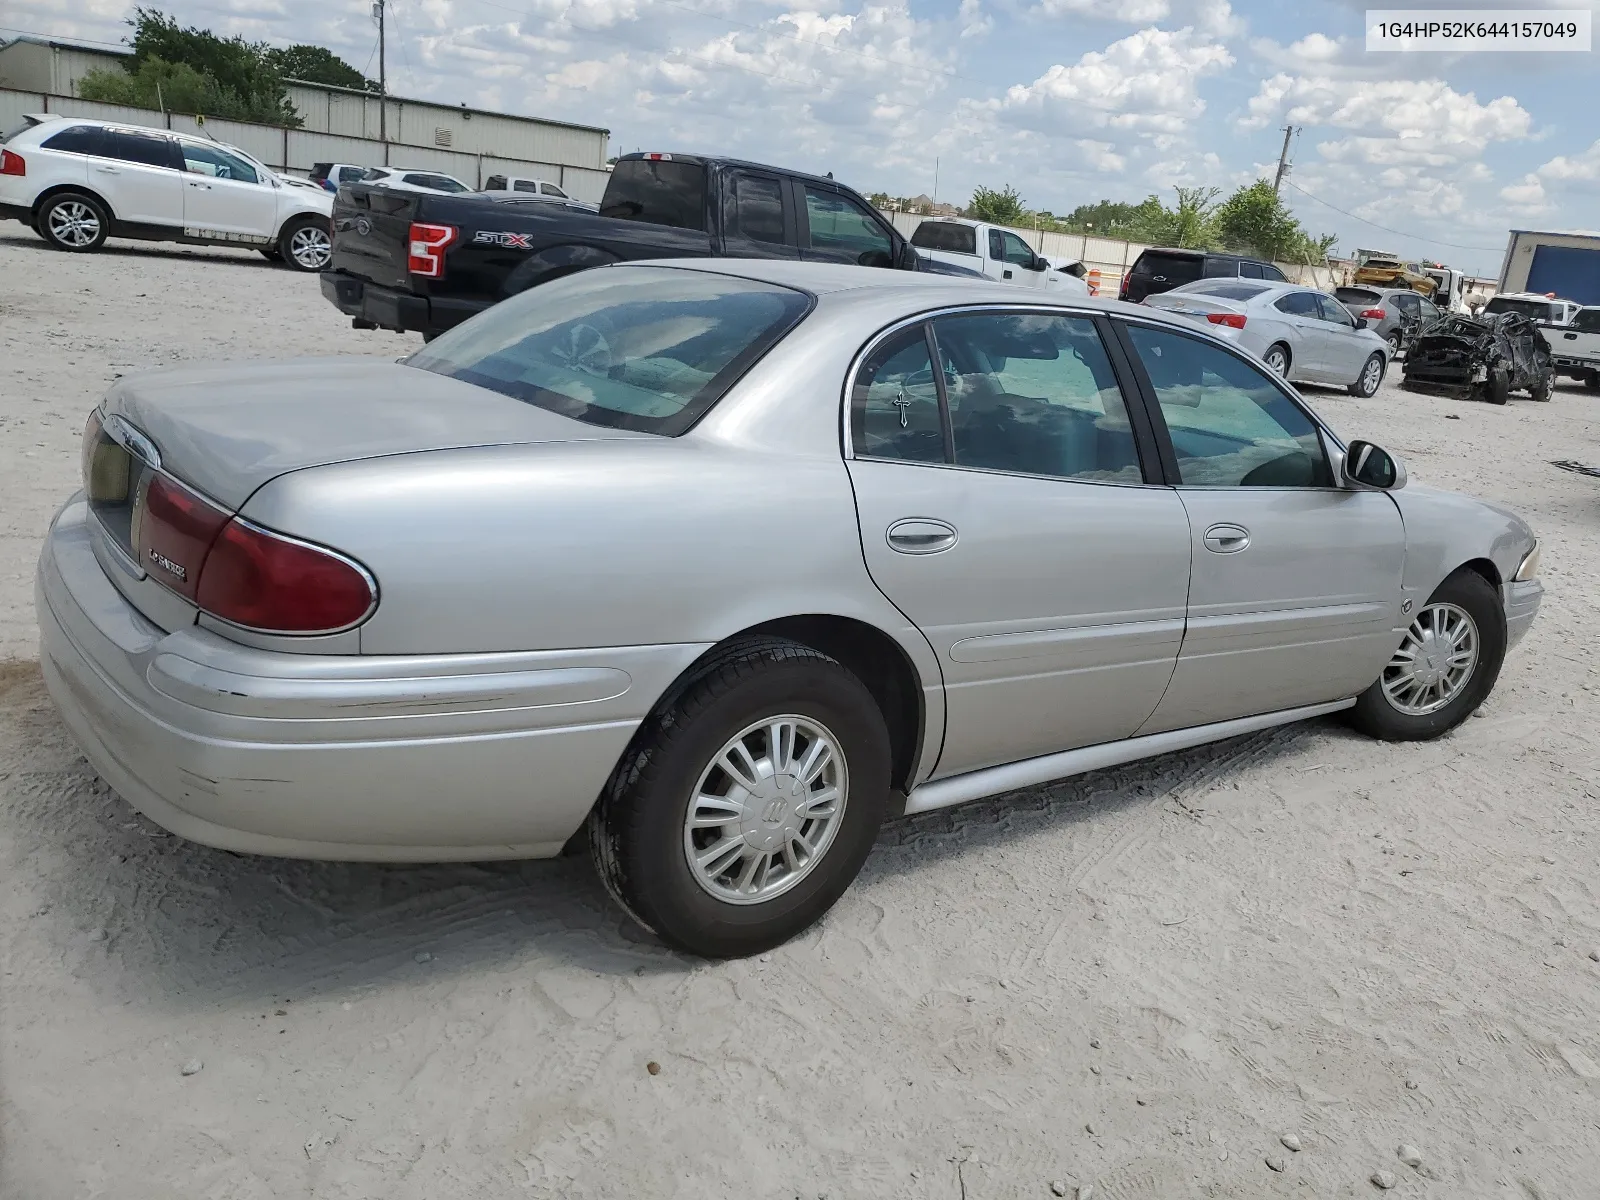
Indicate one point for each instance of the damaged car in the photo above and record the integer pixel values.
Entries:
(1480, 358)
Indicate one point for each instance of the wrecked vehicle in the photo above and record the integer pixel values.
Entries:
(1480, 358)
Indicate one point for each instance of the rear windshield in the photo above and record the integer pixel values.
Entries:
(1226, 288)
(1587, 320)
(1357, 295)
(657, 192)
(1173, 268)
(944, 235)
(1539, 310)
(642, 348)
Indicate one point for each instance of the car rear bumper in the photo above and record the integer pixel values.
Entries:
(1577, 368)
(390, 308)
(1521, 602)
(352, 757)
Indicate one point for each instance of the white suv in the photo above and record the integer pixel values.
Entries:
(76, 182)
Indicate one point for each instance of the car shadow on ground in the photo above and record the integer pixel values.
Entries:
(130, 248)
(170, 922)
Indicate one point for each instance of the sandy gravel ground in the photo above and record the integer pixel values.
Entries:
(1137, 981)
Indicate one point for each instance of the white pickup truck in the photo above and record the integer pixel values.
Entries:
(1575, 346)
(996, 253)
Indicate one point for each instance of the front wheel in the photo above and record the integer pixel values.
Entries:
(746, 805)
(306, 244)
(1444, 668)
(1371, 376)
(1497, 388)
(1541, 390)
(73, 221)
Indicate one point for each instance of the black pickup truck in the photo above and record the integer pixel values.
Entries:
(420, 261)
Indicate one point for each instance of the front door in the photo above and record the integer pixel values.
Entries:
(1348, 348)
(1017, 265)
(225, 194)
(1003, 510)
(1307, 353)
(1294, 593)
(137, 171)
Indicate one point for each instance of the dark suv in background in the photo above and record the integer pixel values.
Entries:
(1161, 270)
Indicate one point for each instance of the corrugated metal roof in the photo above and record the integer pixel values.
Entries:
(34, 39)
(456, 108)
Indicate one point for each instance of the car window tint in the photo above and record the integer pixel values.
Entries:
(351, 174)
(1017, 251)
(1268, 271)
(1333, 312)
(658, 192)
(997, 246)
(642, 348)
(1171, 268)
(757, 209)
(1230, 426)
(1587, 320)
(75, 139)
(1250, 270)
(843, 231)
(1299, 304)
(525, 185)
(1035, 393)
(1536, 309)
(1352, 295)
(1409, 303)
(216, 162)
(894, 406)
(1221, 268)
(149, 149)
(550, 189)
(946, 236)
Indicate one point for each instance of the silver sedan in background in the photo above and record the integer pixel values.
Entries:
(724, 563)
(1302, 334)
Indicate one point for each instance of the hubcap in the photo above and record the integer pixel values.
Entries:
(310, 247)
(766, 810)
(1370, 377)
(1276, 361)
(1434, 661)
(74, 223)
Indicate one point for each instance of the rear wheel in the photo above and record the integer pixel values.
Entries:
(1394, 342)
(73, 221)
(1541, 390)
(1444, 668)
(747, 803)
(1277, 357)
(1592, 381)
(1371, 376)
(306, 244)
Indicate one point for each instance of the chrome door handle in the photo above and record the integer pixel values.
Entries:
(207, 186)
(921, 535)
(1227, 539)
(109, 170)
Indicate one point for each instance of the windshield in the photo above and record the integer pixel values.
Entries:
(946, 236)
(642, 348)
(1537, 309)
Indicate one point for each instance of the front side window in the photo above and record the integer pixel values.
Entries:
(75, 139)
(1034, 393)
(894, 406)
(1587, 320)
(657, 192)
(1409, 303)
(643, 348)
(147, 149)
(756, 209)
(1230, 426)
(1017, 251)
(199, 159)
(1333, 312)
(550, 189)
(843, 231)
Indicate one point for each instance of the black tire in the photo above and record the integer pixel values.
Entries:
(1359, 387)
(73, 211)
(1592, 381)
(1541, 390)
(1375, 716)
(1394, 342)
(1288, 359)
(271, 253)
(637, 831)
(1497, 388)
(290, 249)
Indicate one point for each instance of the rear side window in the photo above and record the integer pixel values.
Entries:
(946, 236)
(1409, 303)
(1171, 268)
(642, 348)
(1299, 304)
(320, 171)
(657, 192)
(894, 406)
(148, 149)
(78, 139)
(755, 209)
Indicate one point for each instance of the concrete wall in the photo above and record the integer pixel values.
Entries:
(1112, 257)
(296, 150)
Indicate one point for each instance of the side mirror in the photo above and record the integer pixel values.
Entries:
(1368, 467)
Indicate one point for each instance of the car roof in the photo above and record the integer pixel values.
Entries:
(713, 160)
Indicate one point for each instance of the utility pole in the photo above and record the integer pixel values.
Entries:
(383, 82)
(1283, 158)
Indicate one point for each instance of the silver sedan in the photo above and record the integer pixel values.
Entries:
(722, 566)
(1302, 334)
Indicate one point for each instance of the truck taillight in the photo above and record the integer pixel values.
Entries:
(1373, 314)
(12, 164)
(428, 243)
(1231, 320)
(175, 530)
(270, 583)
(1122, 292)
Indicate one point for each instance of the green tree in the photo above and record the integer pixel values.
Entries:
(1255, 220)
(176, 87)
(318, 64)
(1003, 207)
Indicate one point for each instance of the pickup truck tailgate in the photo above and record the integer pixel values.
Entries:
(372, 232)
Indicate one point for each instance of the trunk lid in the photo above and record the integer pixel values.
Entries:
(372, 232)
(226, 429)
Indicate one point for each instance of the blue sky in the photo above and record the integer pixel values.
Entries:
(1070, 101)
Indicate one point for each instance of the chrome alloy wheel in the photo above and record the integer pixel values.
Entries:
(1434, 661)
(74, 223)
(1277, 360)
(311, 247)
(1371, 376)
(766, 810)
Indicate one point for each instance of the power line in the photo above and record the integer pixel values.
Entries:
(1397, 232)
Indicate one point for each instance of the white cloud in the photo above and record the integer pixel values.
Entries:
(1134, 12)
(975, 22)
(1527, 195)
(1583, 167)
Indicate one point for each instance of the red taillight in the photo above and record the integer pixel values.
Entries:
(175, 531)
(1231, 320)
(1122, 292)
(428, 242)
(1374, 314)
(275, 584)
(12, 164)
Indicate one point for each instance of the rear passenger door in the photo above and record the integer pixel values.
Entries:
(758, 219)
(1004, 510)
(140, 174)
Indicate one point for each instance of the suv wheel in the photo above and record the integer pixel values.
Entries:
(306, 244)
(73, 221)
(747, 802)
